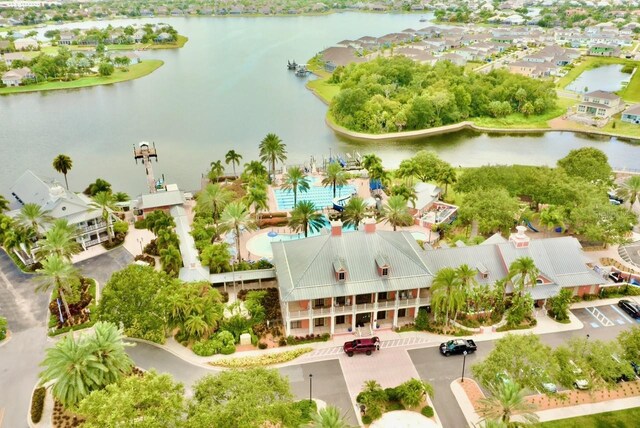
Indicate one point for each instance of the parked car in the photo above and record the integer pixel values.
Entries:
(359, 346)
(630, 307)
(636, 368)
(616, 276)
(457, 346)
(614, 197)
(579, 381)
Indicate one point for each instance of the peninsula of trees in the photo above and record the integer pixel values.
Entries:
(396, 94)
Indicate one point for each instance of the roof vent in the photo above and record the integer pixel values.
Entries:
(520, 239)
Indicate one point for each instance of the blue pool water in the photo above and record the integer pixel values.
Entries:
(321, 197)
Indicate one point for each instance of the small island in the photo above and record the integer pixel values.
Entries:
(81, 58)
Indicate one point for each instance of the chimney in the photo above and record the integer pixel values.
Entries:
(369, 225)
(336, 228)
(520, 239)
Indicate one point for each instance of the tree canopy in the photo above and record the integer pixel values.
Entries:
(396, 94)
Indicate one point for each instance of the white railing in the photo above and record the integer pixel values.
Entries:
(365, 307)
(407, 302)
(340, 310)
(321, 311)
(93, 227)
(298, 314)
(386, 304)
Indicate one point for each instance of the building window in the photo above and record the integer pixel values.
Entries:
(382, 315)
(385, 271)
(318, 303)
(340, 301)
(382, 296)
(341, 276)
(402, 313)
(340, 319)
(318, 322)
(296, 324)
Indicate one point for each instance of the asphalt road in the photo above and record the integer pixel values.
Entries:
(26, 313)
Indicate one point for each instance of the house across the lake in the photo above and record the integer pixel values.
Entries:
(632, 114)
(597, 107)
(17, 77)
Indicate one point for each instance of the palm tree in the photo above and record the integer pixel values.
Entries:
(257, 197)
(234, 158)
(60, 240)
(630, 189)
(73, 368)
(447, 294)
(4, 204)
(406, 191)
(396, 212)
(467, 276)
(121, 197)
(195, 326)
(63, 164)
(217, 170)
(329, 417)
(506, 400)
(32, 216)
(108, 346)
(354, 212)
(334, 176)
(256, 169)
(171, 260)
(551, 217)
(104, 202)
(525, 273)
(305, 217)
(295, 180)
(446, 175)
(370, 160)
(59, 273)
(236, 217)
(272, 149)
(214, 198)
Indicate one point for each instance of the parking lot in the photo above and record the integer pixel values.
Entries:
(603, 316)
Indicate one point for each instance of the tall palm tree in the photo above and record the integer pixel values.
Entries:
(217, 170)
(60, 240)
(34, 217)
(196, 326)
(506, 400)
(58, 273)
(467, 276)
(171, 260)
(256, 196)
(234, 158)
(236, 217)
(329, 417)
(446, 175)
(334, 176)
(370, 160)
(630, 189)
(272, 150)
(63, 164)
(121, 197)
(295, 180)
(214, 198)
(551, 217)
(354, 212)
(108, 346)
(4, 204)
(523, 273)
(73, 368)
(447, 294)
(104, 202)
(256, 169)
(396, 212)
(406, 191)
(305, 217)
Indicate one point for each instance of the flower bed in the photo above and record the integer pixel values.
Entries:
(309, 338)
(261, 360)
(83, 312)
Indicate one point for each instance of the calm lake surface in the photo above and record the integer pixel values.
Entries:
(226, 89)
(606, 78)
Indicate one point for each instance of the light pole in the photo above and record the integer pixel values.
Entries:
(310, 387)
(140, 241)
(464, 361)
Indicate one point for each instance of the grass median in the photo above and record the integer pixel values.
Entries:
(621, 418)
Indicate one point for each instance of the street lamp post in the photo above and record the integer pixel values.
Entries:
(464, 361)
(310, 387)
(140, 240)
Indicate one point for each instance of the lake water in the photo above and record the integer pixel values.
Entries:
(227, 88)
(606, 78)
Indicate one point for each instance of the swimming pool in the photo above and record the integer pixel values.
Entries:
(320, 196)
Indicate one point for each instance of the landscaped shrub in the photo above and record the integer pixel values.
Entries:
(282, 342)
(262, 345)
(422, 320)
(152, 248)
(392, 394)
(298, 340)
(145, 258)
(307, 408)
(121, 227)
(206, 348)
(261, 360)
(427, 411)
(228, 349)
(37, 403)
(366, 419)
(115, 241)
(140, 224)
(3, 328)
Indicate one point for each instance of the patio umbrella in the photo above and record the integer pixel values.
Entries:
(272, 234)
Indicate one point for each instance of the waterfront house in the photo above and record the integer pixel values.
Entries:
(600, 104)
(336, 56)
(59, 203)
(16, 77)
(339, 282)
(632, 114)
(66, 38)
(28, 44)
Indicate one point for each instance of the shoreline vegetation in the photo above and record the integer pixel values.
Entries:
(514, 123)
(134, 71)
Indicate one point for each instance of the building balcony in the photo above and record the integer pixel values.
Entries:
(99, 225)
(386, 304)
(343, 309)
(407, 303)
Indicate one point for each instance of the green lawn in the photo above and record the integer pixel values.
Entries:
(326, 91)
(518, 120)
(135, 71)
(620, 419)
(622, 128)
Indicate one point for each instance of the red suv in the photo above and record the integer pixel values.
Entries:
(366, 346)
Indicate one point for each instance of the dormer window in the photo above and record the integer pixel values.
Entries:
(382, 263)
(342, 276)
(340, 269)
(482, 270)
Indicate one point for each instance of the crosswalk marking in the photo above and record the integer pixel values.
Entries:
(602, 319)
(385, 344)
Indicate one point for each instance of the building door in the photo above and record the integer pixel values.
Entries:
(362, 319)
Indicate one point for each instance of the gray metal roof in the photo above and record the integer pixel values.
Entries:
(161, 199)
(305, 268)
(193, 270)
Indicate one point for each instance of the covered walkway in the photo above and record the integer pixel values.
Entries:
(193, 271)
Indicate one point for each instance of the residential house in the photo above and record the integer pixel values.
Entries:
(336, 56)
(5, 46)
(418, 55)
(454, 58)
(66, 38)
(632, 114)
(59, 203)
(27, 44)
(604, 50)
(17, 76)
(342, 282)
(600, 104)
